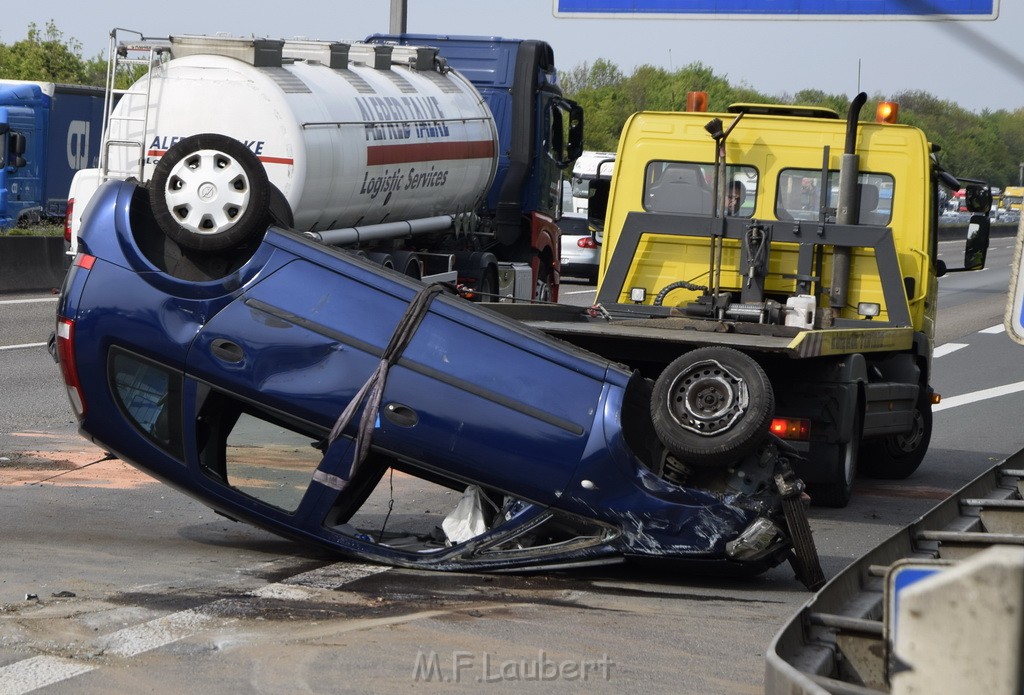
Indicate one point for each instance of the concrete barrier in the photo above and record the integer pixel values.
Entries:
(32, 264)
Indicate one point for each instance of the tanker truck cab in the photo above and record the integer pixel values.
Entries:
(807, 310)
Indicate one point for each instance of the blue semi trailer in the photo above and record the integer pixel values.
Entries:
(48, 132)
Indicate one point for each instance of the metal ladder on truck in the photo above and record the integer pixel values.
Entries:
(118, 130)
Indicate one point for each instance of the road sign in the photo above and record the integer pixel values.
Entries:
(1014, 319)
(780, 9)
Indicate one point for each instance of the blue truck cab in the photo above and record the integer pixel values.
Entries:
(539, 131)
(48, 132)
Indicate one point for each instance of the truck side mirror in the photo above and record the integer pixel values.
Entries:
(17, 149)
(978, 199)
(565, 141)
(977, 241)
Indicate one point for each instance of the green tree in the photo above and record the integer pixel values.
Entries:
(987, 146)
(48, 56)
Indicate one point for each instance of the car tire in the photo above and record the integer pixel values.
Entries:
(897, 456)
(712, 406)
(210, 193)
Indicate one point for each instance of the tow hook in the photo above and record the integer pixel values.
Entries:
(804, 557)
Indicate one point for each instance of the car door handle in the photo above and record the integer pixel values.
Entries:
(227, 351)
(401, 415)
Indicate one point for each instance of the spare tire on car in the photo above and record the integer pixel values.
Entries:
(209, 192)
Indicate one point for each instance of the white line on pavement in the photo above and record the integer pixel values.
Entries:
(994, 329)
(29, 301)
(947, 348)
(24, 345)
(37, 672)
(984, 394)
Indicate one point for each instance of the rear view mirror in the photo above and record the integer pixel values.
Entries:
(977, 241)
(978, 199)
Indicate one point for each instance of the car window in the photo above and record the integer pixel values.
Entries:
(688, 188)
(150, 395)
(255, 453)
(798, 196)
(573, 226)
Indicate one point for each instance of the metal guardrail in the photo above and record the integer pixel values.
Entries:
(837, 644)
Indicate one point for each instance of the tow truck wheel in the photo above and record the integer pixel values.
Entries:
(897, 456)
(210, 193)
(712, 406)
(837, 491)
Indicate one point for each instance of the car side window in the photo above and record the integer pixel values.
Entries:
(150, 395)
(255, 453)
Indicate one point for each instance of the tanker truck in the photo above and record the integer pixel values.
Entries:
(381, 147)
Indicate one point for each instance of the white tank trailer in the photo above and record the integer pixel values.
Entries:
(390, 137)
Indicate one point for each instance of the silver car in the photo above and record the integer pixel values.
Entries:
(581, 252)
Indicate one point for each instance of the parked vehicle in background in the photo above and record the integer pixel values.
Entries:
(581, 254)
(381, 147)
(1013, 198)
(48, 132)
(590, 166)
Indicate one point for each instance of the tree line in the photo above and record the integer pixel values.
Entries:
(987, 146)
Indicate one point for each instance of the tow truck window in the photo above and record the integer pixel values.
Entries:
(798, 196)
(688, 187)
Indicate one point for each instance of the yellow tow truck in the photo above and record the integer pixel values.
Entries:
(774, 269)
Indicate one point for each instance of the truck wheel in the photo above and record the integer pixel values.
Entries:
(545, 277)
(837, 492)
(210, 193)
(897, 456)
(712, 406)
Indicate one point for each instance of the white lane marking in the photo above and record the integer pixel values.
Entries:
(28, 301)
(994, 329)
(36, 672)
(39, 672)
(23, 345)
(580, 292)
(984, 394)
(947, 348)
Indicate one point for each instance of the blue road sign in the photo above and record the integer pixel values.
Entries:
(1014, 319)
(783, 9)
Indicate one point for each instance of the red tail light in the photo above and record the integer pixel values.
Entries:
(66, 345)
(67, 220)
(791, 428)
(586, 242)
(68, 368)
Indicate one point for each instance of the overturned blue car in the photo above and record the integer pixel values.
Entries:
(282, 381)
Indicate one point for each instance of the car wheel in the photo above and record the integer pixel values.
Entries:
(210, 193)
(712, 406)
(897, 456)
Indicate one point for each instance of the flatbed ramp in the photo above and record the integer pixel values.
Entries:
(840, 642)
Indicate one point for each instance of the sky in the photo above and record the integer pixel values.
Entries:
(977, 64)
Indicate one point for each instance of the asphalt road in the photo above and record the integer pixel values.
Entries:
(168, 597)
